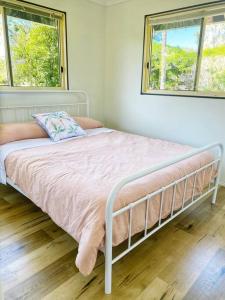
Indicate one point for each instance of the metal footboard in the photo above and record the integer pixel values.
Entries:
(111, 214)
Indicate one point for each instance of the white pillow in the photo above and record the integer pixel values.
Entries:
(59, 125)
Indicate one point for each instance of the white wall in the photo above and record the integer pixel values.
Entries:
(86, 42)
(187, 120)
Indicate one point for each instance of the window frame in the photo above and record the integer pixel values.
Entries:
(146, 58)
(63, 47)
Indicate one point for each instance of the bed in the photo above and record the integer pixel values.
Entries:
(117, 184)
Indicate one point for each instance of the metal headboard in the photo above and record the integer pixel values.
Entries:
(75, 102)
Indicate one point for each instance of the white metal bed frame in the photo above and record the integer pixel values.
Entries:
(111, 213)
(18, 111)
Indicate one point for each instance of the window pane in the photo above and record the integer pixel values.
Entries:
(174, 55)
(212, 75)
(34, 48)
(3, 68)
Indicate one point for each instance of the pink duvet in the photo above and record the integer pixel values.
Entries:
(72, 180)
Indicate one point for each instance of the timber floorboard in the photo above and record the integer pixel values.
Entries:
(184, 260)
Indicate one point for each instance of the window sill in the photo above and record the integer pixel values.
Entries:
(22, 91)
(184, 94)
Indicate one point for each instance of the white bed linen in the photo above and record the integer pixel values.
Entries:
(6, 149)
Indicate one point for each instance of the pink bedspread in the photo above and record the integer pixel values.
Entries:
(71, 182)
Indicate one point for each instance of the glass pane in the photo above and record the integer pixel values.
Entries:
(34, 49)
(212, 74)
(174, 55)
(3, 68)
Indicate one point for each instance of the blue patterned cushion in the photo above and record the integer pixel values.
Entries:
(59, 125)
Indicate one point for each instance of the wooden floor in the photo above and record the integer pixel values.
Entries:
(185, 260)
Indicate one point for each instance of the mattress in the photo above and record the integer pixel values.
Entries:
(72, 180)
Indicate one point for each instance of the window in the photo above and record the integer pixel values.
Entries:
(32, 47)
(184, 52)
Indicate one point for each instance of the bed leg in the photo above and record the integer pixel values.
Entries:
(108, 260)
(217, 179)
(108, 278)
(108, 268)
(214, 196)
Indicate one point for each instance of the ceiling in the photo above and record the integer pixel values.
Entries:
(108, 2)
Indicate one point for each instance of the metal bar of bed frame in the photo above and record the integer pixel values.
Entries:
(111, 214)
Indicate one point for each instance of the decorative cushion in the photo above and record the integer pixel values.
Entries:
(59, 125)
(88, 123)
(11, 132)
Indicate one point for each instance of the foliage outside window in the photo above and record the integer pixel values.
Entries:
(32, 47)
(184, 52)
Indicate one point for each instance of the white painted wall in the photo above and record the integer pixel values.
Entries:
(187, 120)
(86, 41)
